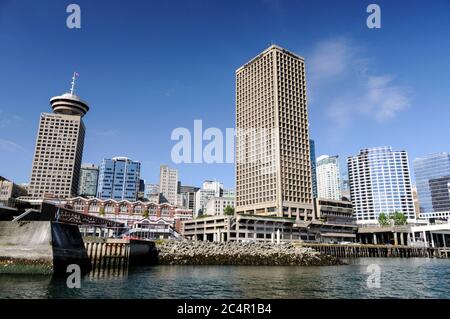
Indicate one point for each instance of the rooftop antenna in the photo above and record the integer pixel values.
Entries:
(72, 88)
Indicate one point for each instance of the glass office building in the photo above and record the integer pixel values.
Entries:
(119, 179)
(88, 180)
(380, 183)
(432, 174)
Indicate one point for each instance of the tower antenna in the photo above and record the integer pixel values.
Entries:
(72, 88)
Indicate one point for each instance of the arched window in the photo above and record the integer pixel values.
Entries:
(109, 208)
(152, 210)
(138, 209)
(94, 207)
(123, 209)
(78, 206)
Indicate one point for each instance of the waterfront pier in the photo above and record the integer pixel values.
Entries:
(369, 250)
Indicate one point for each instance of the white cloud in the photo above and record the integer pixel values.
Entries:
(6, 121)
(330, 58)
(384, 98)
(10, 146)
(339, 66)
(106, 133)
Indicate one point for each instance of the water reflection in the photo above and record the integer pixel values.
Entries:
(400, 278)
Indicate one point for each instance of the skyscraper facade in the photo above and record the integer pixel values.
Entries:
(87, 186)
(273, 163)
(216, 186)
(59, 149)
(328, 177)
(312, 146)
(432, 173)
(119, 179)
(168, 184)
(380, 183)
(188, 196)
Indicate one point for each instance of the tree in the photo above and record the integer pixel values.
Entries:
(399, 218)
(146, 213)
(384, 219)
(102, 211)
(228, 210)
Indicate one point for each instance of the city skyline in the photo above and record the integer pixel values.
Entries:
(356, 49)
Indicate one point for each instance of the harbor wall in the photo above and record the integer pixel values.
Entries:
(41, 247)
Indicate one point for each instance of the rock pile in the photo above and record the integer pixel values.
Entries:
(184, 252)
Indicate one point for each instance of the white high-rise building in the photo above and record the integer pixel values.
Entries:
(216, 205)
(168, 184)
(328, 177)
(201, 199)
(273, 163)
(217, 187)
(59, 148)
(380, 183)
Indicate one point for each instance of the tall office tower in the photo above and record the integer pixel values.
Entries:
(273, 163)
(380, 183)
(168, 184)
(312, 146)
(119, 179)
(88, 180)
(217, 187)
(59, 148)
(328, 177)
(432, 174)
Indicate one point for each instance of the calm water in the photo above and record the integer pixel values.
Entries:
(400, 278)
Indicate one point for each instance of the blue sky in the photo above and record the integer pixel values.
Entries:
(148, 67)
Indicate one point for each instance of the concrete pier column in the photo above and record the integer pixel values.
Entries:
(375, 239)
(425, 238)
(443, 241)
(432, 239)
(395, 239)
(272, 237)
(204, 237)
(413, 237)
(402, 239)
(278, 236)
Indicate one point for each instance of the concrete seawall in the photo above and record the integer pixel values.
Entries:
(41, 247)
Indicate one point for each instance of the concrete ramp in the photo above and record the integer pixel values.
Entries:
(26, 247)
(42, 247)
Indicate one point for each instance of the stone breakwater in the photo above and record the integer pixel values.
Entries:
(174, 252)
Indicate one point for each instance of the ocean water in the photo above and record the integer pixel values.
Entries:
(387, 277)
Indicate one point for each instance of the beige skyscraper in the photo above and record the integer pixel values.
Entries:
(59, 148)
(168, 183)
(273, 165)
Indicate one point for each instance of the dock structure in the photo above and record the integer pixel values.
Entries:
(114, 256)
(356, 250)
(431, 235)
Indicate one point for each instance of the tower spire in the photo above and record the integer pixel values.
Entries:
(72, 88)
